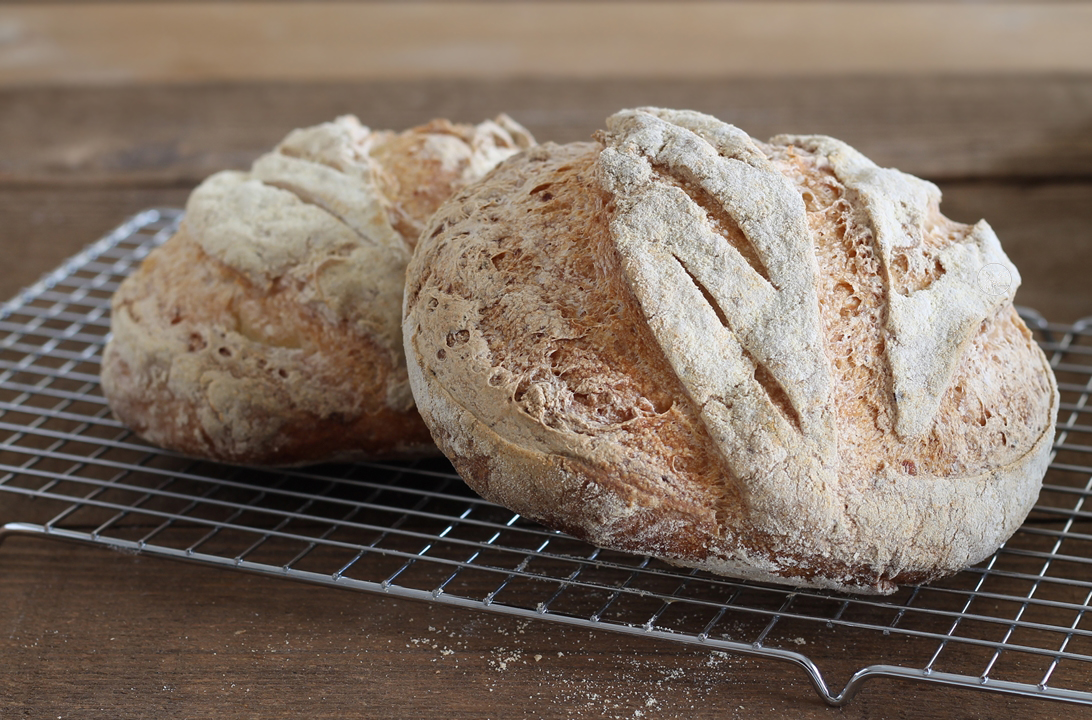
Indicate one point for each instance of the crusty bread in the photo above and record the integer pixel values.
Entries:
(774, 361)
(267, 330)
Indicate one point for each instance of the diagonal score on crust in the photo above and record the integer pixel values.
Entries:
(527, 341)
(740, 342)
(268, 329)
(722, 325)
(537, 320)
(211, 372)
(930, 327)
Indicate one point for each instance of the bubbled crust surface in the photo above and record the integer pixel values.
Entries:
(532, 359)
(214, 378)
(541, 371)
(998, 398)
(267, 330)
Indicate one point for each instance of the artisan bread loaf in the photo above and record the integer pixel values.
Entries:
(775, 361)
(267, 331)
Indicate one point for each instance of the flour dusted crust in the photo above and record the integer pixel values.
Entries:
(267, 330)
(775, 361)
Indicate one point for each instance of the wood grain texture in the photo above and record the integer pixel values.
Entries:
(179, 42)
(93, 634)
(941, 128)
(45, 226)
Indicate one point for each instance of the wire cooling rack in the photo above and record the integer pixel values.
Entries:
(1020, 619)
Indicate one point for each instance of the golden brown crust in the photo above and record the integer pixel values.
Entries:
(419, 169)
(267, 330)
(207, 376)
(564, 383)
(987, 416)
(565, 339)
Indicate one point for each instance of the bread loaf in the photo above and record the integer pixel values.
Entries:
(267, 330)
(774, 361)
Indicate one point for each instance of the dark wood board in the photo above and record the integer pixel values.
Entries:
(945, 128)
(92, 633)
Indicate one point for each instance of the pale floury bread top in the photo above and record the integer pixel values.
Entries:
(267, 331)
(771, 360)
(339, 207)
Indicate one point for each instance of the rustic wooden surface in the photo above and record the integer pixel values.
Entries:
(94, 633)
(151, 41)
(89, 633)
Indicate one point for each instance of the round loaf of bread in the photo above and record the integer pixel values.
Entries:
(267, 331)
(774, 361)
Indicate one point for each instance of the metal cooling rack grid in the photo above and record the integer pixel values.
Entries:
(68, 470)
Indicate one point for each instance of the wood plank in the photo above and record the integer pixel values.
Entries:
(171, 42)
(44, 227)
(941, 128)
(90, 633)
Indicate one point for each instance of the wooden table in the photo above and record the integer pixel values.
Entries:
(90, 633)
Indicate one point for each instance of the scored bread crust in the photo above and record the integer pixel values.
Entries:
(266, 331)
(775, 361)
